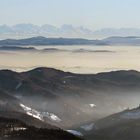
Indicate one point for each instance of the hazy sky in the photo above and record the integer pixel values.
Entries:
(93, 14)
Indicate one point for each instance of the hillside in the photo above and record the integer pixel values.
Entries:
(13, 129)
(71, 98)
(120, 126)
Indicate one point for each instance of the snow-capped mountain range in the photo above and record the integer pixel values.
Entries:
(30, 30)
(68, 31)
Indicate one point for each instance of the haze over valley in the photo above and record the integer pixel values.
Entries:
(77, 59)
(69, 70)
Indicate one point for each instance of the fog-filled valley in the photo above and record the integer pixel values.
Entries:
(38, 88)
(77, 59)
(71, 87)
(69, 70)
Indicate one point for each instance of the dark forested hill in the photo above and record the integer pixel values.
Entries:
(70, 98)
(13, 129)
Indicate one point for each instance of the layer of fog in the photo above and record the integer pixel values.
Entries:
(75, 109)
(103, 58)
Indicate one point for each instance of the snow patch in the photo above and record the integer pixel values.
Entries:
(32, 112)
(51, 116)
(88, 127)
(92, 105)
(75, 132)
(40, 115)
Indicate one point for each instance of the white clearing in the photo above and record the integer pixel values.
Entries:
(40, 115)
(75, 132)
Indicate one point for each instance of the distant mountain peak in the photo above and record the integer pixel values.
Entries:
(39, 37)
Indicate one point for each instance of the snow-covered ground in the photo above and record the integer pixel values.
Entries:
(88, 127)
(32, 112)
(52, 116)
(40, 115)
(75, 133)
(92, 105)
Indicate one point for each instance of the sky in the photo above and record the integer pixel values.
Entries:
(94, 14)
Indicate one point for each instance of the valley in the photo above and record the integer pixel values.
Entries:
(69, 70)
(73, 102)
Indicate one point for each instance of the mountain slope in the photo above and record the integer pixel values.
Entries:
(11, 107)
(73, 98)
(120, 126)
(13, 129)
(18, 121)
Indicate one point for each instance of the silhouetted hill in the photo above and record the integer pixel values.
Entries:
(116, 40)
(130, 76)
(49, 41)
(17, 48)
(13, 129)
